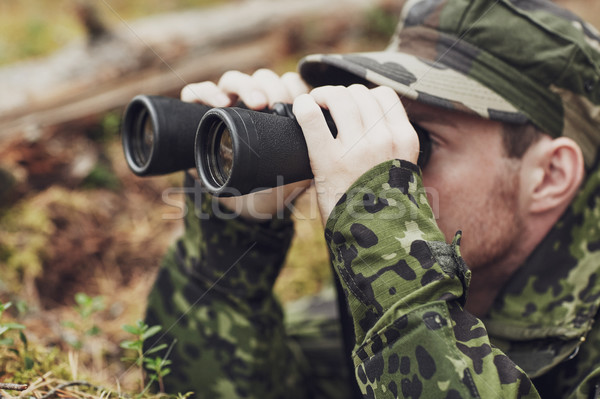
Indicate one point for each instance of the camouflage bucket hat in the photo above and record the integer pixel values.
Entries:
(508, 60)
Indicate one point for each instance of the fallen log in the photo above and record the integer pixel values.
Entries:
(155, 55)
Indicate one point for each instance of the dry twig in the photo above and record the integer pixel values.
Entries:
(13, 387)
(66, 385)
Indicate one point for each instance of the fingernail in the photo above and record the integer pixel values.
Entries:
(258, 98)
(186, 94)
(222, 100)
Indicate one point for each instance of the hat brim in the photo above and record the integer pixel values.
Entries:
(411, 77)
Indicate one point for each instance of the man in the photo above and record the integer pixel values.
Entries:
(509, 94)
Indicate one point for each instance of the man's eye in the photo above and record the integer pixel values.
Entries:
(424, 144)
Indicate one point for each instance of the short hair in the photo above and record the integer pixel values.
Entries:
(517, 138)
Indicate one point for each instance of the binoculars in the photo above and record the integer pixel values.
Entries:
(235, 150)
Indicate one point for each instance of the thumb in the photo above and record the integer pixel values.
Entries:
(312, 121)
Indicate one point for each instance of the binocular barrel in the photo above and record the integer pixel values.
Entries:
(235, 150)
(158, 134)
(240, 150)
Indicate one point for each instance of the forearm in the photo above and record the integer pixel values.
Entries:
(214, 297)
(405, 288)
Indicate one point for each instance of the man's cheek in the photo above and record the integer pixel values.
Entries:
(433, 198)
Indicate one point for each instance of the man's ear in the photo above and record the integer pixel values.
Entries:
(558, 171)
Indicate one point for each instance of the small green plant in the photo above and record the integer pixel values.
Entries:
(9, 342)
(6, 327)
(158, 368)
(142, 332)
(86, 307)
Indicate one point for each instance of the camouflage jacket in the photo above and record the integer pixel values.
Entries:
(405, 288)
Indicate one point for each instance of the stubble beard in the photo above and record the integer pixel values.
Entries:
(495, 234)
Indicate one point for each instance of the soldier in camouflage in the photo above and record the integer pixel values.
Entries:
(509, 91)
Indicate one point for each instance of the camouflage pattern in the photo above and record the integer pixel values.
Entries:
(507, 60)
(406, 288)
(213, 297)
(544, 317)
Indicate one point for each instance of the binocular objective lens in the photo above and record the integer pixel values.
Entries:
(143, 141)
(221, 153)
(225, 154)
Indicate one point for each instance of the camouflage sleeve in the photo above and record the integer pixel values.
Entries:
(213, 297)
(406, 289)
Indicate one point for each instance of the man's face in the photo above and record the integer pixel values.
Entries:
(472, 184)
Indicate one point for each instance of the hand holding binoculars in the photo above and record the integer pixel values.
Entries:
(235, 150)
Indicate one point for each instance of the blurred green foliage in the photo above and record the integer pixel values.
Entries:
(105, 133)
(25, 231)
(101, 176)
(35, 28)
(107, 129)
(380, 23)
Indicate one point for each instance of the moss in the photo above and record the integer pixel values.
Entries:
(24, 235)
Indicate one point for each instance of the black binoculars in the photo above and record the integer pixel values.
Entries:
(235, 150)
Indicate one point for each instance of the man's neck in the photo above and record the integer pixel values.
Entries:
(484, 288)
(489, 279)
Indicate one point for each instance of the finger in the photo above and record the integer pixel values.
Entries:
(343, 109)
(235, 83)
(371, 113)
(207, 93)
(312, 121)
(392, 107)
(271, 85)
(294, 84)
(405, 139)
